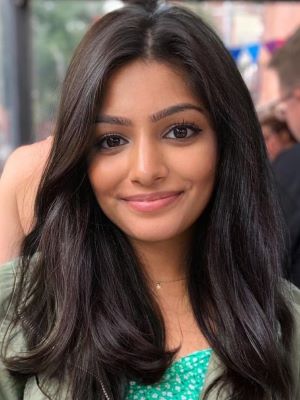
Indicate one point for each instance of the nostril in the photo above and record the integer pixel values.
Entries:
(147, 162)
(149, 173)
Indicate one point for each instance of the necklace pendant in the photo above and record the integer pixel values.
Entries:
(158, 285)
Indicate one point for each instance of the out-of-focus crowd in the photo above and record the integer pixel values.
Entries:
(280, 124)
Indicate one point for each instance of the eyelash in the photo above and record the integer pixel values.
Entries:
(191, 126)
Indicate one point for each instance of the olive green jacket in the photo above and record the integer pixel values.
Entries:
(34, 388)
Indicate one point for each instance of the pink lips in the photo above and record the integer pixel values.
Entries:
(152, 201)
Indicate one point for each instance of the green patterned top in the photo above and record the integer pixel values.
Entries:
(183, 380)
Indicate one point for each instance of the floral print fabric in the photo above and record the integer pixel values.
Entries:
(183, 380)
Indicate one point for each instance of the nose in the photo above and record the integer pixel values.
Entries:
(147, 162)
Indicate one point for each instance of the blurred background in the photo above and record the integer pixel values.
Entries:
(37, 38)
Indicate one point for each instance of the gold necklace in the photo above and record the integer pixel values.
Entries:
(158, 284)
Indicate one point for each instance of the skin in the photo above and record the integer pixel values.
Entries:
(146, 156)
(276, 142)
(290, 109)
(18, 186)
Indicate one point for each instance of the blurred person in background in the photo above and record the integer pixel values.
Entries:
(286, 62)
(277, 135)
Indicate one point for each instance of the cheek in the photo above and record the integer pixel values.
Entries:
(104, 175)
(198, 165)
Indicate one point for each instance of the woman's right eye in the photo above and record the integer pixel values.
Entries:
(111, 141)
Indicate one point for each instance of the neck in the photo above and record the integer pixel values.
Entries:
(164, 260)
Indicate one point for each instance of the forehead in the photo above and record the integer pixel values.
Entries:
(142, 85)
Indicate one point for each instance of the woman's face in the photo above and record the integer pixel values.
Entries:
(154, 156)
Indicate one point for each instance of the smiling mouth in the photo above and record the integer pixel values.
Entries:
(146, 204)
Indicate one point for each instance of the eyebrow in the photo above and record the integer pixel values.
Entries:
(109, 119)
(173, 110)
(166, 112)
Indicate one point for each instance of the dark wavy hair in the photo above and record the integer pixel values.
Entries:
(84, 305)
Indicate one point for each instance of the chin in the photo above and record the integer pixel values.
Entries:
(152, 236)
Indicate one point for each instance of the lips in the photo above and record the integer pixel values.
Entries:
(152, 201)
(151, 196)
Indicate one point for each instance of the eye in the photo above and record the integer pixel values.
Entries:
(110, 141)
(183, 131)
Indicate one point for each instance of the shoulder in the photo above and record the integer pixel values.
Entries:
(288, 161)
(296, 347)
(25, 160)
(8, 273)
(7, 287)
(13, 387)
(18, 186)
(286, 171)
(295, 308)
(290, 154)
(292, 294)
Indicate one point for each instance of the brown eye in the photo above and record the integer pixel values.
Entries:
(110, 141)
(113, 141)
(180, 132)
(183, 131)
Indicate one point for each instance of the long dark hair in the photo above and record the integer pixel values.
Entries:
(87, 313)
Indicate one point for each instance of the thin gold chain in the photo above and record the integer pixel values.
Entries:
(158, 284)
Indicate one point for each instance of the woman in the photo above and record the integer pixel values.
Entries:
(153, 269)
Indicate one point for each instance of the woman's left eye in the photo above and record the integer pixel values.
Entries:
(183, 131)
